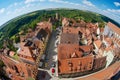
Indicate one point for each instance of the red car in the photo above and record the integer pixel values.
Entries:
(53, 70)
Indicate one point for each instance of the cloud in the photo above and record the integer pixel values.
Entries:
(114, 10)
(15, 4)
(88, 3)
(112, 13)
(65, 2)
(26, 6)
(41, 0)
(59, 1)
(2, 10)
(117, 4)
(30, 1)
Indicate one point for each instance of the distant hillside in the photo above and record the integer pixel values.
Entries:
(29, 20)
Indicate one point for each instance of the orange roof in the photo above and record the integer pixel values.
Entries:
(74, 65)
(91, 25)
(67, 50)
(44, 25)
(98, 43)
(108, 40)
(86, 48)
(25, 51)
(70, 30)
(104, 74)
(74, 53)
(114, 27)
(11, 53)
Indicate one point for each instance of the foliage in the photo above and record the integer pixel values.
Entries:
(26, 21)
(16, 57)
(1, 64)
(53, 28)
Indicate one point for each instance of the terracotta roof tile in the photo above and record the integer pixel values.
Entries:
(70, 30)
(73, 54)
(114, 27)
(44, 25)
(98, 43)
(74, 65)
(104, 74)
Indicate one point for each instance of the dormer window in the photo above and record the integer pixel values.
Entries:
(80, 64)
(70, 63)
(74, 55)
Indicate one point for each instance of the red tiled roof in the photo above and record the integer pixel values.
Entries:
(70, 30)
(74, 53)
(98, 43)
(114, 27)
(104, 74)
(44, 25)
(25, 52)
(67, 50)
(74, 65)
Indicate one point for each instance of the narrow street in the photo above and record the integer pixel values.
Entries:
(51, 58)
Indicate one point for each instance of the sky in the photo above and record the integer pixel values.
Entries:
(12, 8)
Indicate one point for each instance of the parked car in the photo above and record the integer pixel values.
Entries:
(53, 65)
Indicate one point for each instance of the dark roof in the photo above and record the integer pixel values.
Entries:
(28, 43)
(42, 33)
(69, 38)
(99, 62)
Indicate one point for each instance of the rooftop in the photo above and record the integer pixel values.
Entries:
(114, 27)
(66, 51)
(104, 74)
(72, 59)
(98, 43)
(75, 65)
(69, 38)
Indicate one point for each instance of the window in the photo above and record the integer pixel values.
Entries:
(68, 42)
(70, 68)
(70, 63)
(79, 67)
(80, 64)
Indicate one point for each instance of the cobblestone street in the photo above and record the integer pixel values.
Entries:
(51, 58)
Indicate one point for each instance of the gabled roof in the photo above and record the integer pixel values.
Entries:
(70, 30)
(98, 43)
(75, 65)
(25, 50)
(66, 51)
(114, 27)
(44, 25)
(104, 74)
